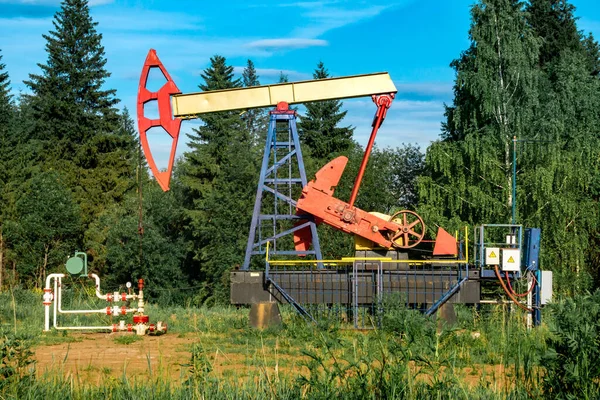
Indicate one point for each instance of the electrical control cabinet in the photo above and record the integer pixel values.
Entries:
(511, 260)
(492, 256)
(545, 287)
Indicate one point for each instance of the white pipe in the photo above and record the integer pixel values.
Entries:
(61, 328)
(46, 317)
(115, 296)
(52, 276)
(56, 297)
(101, 311)
(48, 299)
(57, 305)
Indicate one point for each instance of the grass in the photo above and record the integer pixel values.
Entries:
(127, 339)
(488, 354)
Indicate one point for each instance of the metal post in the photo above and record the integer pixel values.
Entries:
(514, 185)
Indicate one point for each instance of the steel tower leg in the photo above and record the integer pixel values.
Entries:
(281, 181)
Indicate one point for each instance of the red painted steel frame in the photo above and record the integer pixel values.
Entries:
(166, 121)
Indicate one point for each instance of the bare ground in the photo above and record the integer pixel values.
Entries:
(93, 357)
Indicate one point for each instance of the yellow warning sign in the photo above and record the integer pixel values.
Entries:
(493, 255)
(511, 260)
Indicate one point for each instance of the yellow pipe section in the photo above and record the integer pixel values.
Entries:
(191, 104)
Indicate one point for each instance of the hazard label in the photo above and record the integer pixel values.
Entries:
(491, 256)
(511, 260)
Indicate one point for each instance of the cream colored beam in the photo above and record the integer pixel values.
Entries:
(192, 104)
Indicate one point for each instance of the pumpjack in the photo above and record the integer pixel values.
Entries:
(288, 208)
(317, 204)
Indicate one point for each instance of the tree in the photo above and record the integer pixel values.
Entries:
(214, 178)
(554, 23)
(256, 119)
(156, 252)
(592, 51)
(502, 91)
(283, 78)
(5, 96)
(495, 94)
(76, 125)
(47, 226)
(319, 129)
(68, 98)
(6, 120)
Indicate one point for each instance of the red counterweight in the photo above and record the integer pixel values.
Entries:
(165, 120)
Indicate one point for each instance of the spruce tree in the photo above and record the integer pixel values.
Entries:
(5, 96)
(256, 119)
(554, 23)
(76, 124)
(68, 96)
(319, 129)
(217, 178)
(283, 78)
(6, 119)
(592, 52)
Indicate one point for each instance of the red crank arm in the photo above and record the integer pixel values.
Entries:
(166, 121)
(383, 102)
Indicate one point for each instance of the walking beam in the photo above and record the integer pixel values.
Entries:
(189, 105)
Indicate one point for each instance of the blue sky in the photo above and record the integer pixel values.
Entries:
(414, 41)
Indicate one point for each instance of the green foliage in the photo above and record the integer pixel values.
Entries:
(15, 359)
(257, 119)
(69, 132)
(214, 179)
(592, 52)
(573, 370)
(527, 75)
(76, 127)
(121, 254)
(46, 227)
(553, 22)
(5, 98)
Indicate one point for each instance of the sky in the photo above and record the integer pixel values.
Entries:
(413, 40)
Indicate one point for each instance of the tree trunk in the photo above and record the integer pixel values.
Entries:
(43, 274)
(502, 117)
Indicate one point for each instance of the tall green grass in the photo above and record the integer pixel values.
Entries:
(487, 354)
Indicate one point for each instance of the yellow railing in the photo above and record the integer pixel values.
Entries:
(350, 260)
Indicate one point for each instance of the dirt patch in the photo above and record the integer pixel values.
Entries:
(96, 355)
(93, 357)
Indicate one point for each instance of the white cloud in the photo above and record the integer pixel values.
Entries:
(23, 22)
(407, 121)
(286, 43)
(32, 2)
(320, 17)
